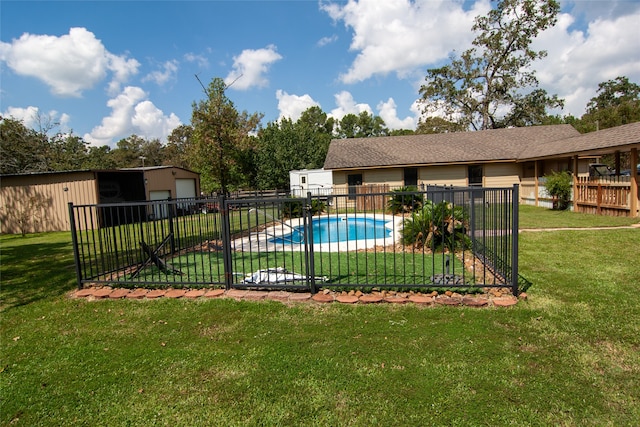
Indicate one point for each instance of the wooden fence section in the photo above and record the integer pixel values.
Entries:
(610, 196)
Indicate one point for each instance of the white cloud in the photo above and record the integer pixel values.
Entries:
(152, 122)
(201, 60)
(578, 61)
(132, 113)
(400, 36)
(327, 40)
(389, 113)
(347, 105)
(250, 66)
(68, 64)
(292, 106)
(33, 118)
(160, 77)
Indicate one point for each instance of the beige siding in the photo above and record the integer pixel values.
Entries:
(391, 177)
(37, 203)
(164, 180)
(443, 175)
(501, 174)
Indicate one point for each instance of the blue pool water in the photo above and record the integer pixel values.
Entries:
(338, 229)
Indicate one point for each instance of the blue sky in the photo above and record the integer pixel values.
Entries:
(107, 70)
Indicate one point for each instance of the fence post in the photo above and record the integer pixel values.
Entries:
(311, 268)
(74, 240)
(226, 241)
(515, 200)
(172, 241)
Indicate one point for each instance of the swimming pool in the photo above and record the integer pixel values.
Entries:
(338, 229)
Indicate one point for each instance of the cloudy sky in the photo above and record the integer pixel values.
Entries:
(106, 70)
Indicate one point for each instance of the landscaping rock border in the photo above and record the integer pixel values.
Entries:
(494, 297)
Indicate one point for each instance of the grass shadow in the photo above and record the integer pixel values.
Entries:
(35, 267)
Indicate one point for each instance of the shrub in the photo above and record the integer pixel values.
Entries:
(405, 199)
(438, 226)
(559, 186)
(295, 208)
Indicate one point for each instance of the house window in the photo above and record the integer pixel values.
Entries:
(353, 181)
(303, 179)
(411, 177)
(475, 175)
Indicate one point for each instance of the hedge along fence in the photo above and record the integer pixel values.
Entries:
(440, 238)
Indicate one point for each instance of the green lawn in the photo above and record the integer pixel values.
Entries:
(569, 355)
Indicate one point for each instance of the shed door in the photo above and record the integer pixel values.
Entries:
(185, 188)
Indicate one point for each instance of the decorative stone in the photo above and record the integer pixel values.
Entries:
(155, 293)
(214, 293)
(137, 293)
(394, 299)
(421, 299)
(82, 293)
(281, 295)
(255, 295)
(119, 293)
(175, 293)
(505, 301)
(523, 296)
(194, 293)
(371, 299)
(347, 299)
(102, 292)
(236, 293)
(475, 302)
(447, 301)
(303, 296)
(323, 298)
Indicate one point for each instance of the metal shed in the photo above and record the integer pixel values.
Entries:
(38, 202)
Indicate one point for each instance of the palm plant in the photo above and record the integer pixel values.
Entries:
(438, 226)
(405, 199)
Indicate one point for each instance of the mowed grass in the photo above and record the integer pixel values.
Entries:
(569, 355)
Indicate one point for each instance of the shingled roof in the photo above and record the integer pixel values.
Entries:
(447, 148)
(605, 141)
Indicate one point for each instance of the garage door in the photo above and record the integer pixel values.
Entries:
(160, 211)
(185, 188)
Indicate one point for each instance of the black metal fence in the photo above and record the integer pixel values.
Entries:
(436, 238)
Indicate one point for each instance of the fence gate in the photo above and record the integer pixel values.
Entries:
(253, 228)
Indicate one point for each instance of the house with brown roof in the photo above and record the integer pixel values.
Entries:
(489, 158)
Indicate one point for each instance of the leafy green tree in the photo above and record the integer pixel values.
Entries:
(285, 146)
(400, 132)
(279, 151)
(221, 139)
(315, 132)
(153, 152)
(559, 185)
(485, 87)
(178, 145)
(430, 125)
(617, 103)
(22, 150)
(67, 152)
(100, 158)
(128, 151)
(363, 125)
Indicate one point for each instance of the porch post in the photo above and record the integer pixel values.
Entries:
(535, 188)
(634, 202)
(574, 196)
